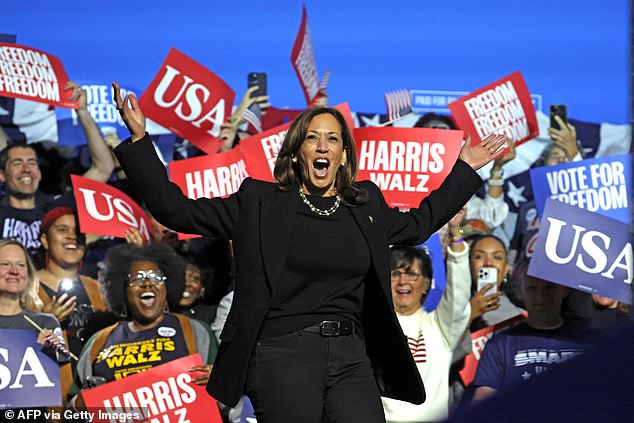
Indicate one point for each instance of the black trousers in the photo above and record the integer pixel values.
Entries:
(304, 377)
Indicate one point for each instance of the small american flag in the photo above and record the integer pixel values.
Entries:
(398, 103)
(253, 115)
(324, 80)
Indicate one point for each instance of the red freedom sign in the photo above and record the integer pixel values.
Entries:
(34, 75)
(502, 107)
(215, 175)
(104, 210)
(161, 394)
(260, 151)
(478, 341)
(303, 60)
(407, 164)
(189, 100)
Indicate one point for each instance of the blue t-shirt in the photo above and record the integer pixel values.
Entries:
(522, 352)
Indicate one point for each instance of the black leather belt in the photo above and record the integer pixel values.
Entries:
(332, 328)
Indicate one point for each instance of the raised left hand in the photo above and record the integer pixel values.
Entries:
(480, 154)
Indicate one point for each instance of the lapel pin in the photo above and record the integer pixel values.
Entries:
(371, 219)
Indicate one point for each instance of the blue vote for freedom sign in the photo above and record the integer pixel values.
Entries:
(584, 250)
(102, 109)
(602, 185)
(28, 377)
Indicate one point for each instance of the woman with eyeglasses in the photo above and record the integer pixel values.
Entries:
(431, 336)
(142, 285)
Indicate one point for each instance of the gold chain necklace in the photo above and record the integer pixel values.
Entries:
(320, 211)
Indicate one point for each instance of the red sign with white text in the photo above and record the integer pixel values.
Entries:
(104, 210)
(215, 175)
(407, 164)
(260, 150)
(33, 75)
(478, 341)
(163, 394)
(303, 60)
(189, 100)
(502, 107)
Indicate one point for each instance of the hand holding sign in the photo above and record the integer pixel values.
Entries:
(480, 154)
(132, 116)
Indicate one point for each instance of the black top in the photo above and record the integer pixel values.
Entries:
(324, 272)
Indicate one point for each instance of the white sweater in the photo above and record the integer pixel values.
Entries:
(432, 338)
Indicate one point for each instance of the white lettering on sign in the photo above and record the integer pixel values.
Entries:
(28, 73)
(30, 366)
(219, 182)
(498, 110)
(116, 208)
(192, 107)
(590, 245)
(158, 398)
(603, 189)
(271, 146)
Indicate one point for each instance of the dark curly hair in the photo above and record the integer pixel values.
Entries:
(287, 173)
(405, 256)
(119, 259)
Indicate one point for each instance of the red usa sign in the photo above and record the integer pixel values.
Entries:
(407, 164)
(104, 210)
(189, 100)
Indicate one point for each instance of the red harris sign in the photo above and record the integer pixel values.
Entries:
(407, 164)
(215, 175)
(502, 107)
(189, 100)
(161, 394)
(104, 210)
(34, 75)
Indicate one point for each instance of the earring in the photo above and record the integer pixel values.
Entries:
(167, 309)
(294, 159)
(124, 312)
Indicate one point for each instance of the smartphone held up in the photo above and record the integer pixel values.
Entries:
(488, 275)
(558, 110)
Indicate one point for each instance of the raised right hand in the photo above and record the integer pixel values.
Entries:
(60, 307)
(132, 115)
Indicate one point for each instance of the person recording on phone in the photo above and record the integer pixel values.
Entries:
(253, 106)
(489, 272)
(312, 331)
(432, 336)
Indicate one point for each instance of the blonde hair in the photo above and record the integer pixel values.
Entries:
(29, 298)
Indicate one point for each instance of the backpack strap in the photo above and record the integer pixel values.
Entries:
(188, 332)
(100, 340)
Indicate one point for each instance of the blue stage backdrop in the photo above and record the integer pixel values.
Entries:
(575, 53)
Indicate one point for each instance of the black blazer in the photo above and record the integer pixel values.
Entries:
(258, 218)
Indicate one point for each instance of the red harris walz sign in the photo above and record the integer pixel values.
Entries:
(33, 75)
(189, 100)
(104, 210)
(162, 394)
(502, 107)
(407, 164)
